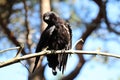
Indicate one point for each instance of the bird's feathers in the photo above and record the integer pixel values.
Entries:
(57, 36)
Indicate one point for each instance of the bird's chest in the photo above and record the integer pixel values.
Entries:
(58, 38)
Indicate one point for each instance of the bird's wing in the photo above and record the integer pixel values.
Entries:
(43, 43)
(63, 57)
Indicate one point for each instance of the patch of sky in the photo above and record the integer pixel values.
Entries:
(82, 8)
(113, 11)
(63, 9)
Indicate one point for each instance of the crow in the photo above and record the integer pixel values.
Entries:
(56, 36)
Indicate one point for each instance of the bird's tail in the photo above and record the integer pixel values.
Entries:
(36, 62)
(54, 71)
(62, 58)
(53, 62)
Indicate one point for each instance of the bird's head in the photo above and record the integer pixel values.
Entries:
(50, 17)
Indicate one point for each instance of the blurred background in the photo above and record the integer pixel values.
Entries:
(97, 22)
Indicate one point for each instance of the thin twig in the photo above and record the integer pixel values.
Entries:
(28, 35)
(14, 48)
(20, 49)
(9, 33)
(17, 59)
(80, 40)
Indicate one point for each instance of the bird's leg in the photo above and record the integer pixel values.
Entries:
(63, 51)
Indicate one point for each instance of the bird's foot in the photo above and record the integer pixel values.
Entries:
(63, 51)
(53, 51)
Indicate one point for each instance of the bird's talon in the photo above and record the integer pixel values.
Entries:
(53, 51)
(63, 51)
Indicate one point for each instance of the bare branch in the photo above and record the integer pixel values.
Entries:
(109, 27)
(28, 38)
(14, 48)
(44, 7)
(20, 49)
(9, 33)
(40, 69)
(46, 52)
(78, 41)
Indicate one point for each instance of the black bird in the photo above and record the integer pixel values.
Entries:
(57, 36)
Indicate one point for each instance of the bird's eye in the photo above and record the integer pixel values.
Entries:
(47, 17)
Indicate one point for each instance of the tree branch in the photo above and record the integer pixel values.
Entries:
(20, 49)
(47, 52)
(28, 35)
(90, 28)
(44, 7)
(109, 27)
(10, 34)
(14, 48)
